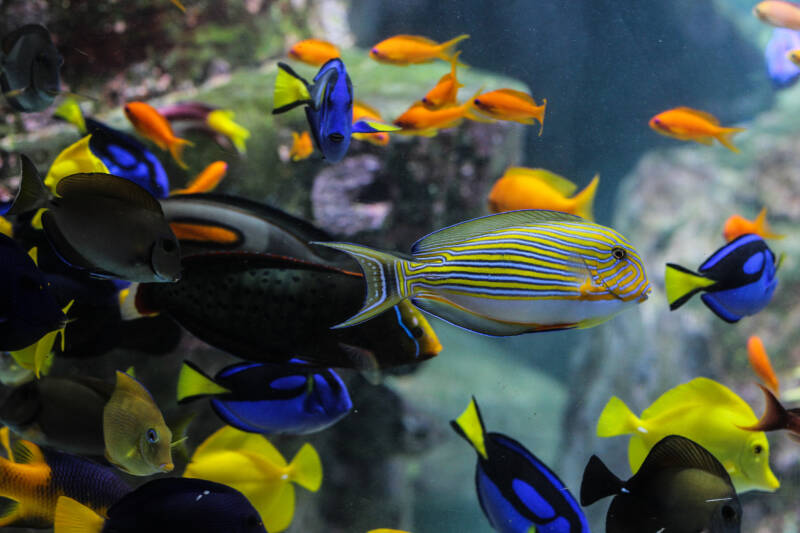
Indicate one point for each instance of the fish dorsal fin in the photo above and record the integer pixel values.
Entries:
(231, 439)
(559, 183)
(417, 39)
(699, 114)
(675, 451)
(518, 94)
(699, 391)
(483, 225)
(26, 453)
(107, 185)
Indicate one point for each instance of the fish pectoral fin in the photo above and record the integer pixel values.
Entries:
(74, 517)
(371, 126)
(8, 511)
(27, 453)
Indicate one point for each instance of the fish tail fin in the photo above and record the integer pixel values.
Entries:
(193, 383)
(74, 517)
(32, 192)
(584, 200)
(470, 426)
(380, 273)
(540, 117)
(598, 482)
(775, 415)
(291, 90)
(724, 137)
(616, 419)
(763, 228)
(446, 48)
(681, 284)
(176, 147)
(70, 111)
(306, 468)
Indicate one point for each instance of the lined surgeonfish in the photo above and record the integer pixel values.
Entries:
(680, 488)
(518, 493)
(271, 399)
(510, 273)
(29, 68)
(329, 106)
(737, 280)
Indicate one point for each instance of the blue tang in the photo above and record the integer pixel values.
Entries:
(29, 68)
(28, 307)
(270, 398)
(329, 106)
(738, 280)
(517, 492)
(782, 71)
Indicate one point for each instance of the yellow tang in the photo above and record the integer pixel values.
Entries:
(706, 412)
(250, 464)
(137, 439)
(76, 158)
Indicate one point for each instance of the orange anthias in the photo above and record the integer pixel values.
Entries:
(446, 90)
(508, 104)
(759, 360)
(779, 13)
(314, 51)
(362, 111)
(687, 124)
(302, 147)
(151, 124)
(410, 49)
(207, 180)
(737, 225)
(419, 120)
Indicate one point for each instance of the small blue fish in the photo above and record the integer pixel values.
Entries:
(517, 492)
(29, 68)
(28, 308)
(782, 71)
(738, 280)
(268, 398)
(329, 106)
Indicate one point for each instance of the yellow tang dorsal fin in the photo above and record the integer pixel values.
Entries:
(470, 426)
(27, 453)
(700, 114)
(559, 183)
(700, 391)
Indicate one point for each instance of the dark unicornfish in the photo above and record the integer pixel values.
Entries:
(29, 68)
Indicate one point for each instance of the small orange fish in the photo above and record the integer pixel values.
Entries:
(207, 180)
(779, 13)
(362, 111)
(410, 49)
(419, 120)
(508, 104)
(302, 147)
(689, 124)
(151, 124)
(537, 188)
(314, 51)
(737, 226)
(445, 92)
(759, 360)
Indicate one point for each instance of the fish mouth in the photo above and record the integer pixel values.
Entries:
(166, 467)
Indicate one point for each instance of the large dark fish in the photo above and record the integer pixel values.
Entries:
(269, 308)
(680, 488)
(29, 68)
(104, 224)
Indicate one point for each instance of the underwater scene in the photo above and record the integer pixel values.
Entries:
(422, 266)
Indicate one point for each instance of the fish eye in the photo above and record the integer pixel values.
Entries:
(168, 245)
(757, 449)
(152, 436)
(729, 514)
(416, 332)
(336, 137)
(619, 253)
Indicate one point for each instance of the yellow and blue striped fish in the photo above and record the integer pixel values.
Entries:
(507, 274)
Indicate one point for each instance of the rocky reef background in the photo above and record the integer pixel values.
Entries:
(605, 67)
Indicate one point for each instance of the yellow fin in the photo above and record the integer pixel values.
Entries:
(681, 283)
(70, 111)
(724, 137)
(305, 469)
(700, 114)
(6, 228)
(470, 426)
(73, 517)
(77, 158)
(193, 382)
(700, 391)
(289, 89)
(763, 228)
(5, 441)
(229, 438)
(33, 253)
(446, 48)
(616, 419)
(584, 200)
(559, 183)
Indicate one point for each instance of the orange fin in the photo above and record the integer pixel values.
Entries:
(700, 114)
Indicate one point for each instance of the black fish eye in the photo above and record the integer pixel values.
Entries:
(757, 449)
(336, 137)
(152, 436)
(619, 253)
(728, 513)
(417, 332)
(168, 245)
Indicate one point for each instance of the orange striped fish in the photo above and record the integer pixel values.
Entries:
(759, 360)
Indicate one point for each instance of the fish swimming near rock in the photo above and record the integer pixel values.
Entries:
(517, 492)
(507, 274)
(329, 106)
(508, 104)
(413, 49)
(104, 224)
(680, 488)
(781, 69)
(249, 463)
(445, 92)
(302, 147)
(152, 125)
(687, 124)
(419, 120)
(706, 412)
(219, 123)
(269, 399)
(314, 52)
(779, 13)
(737, 225)
(759, 362)
(537, 188)
(737, 280)
(29, 68)
(168, 505)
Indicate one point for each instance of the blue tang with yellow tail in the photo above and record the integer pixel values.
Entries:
(29, 68)
(507, 274)
(329, 106)
(738, 280)
(266, 398)
(517, 492)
